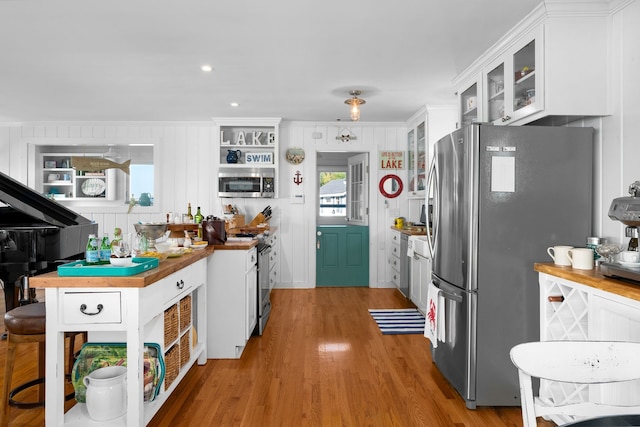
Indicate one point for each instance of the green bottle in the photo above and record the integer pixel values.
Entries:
(92, 253)
(105, 249)
(198, 218)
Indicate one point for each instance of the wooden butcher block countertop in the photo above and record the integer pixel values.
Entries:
(592, 278)
(146, 278)
(409, 232)
(243, 245)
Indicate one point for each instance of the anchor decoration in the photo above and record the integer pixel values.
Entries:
(297, 179)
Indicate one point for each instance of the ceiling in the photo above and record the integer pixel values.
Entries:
(139, 60)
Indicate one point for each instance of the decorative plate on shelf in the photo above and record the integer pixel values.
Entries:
(93, 187)
(295, 155)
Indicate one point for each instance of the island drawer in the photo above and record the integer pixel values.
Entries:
(91, 307)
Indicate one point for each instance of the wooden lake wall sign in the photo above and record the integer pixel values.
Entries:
(94, 164)
(248, 138)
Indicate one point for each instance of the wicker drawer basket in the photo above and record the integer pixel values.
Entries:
(172, 365)
(185, 349)
(170, 325)
(185, 312)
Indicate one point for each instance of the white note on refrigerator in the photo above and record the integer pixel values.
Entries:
(503, 174)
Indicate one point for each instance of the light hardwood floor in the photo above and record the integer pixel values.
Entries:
(321, 362)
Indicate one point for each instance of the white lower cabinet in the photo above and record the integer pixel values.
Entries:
(420, 278)
(232, 302)
(572, 311)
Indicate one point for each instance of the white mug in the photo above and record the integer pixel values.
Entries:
(629, 256)
(53, 177)
(581, 258)
(559, 254)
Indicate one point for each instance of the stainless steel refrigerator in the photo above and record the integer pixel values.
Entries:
(501, 196)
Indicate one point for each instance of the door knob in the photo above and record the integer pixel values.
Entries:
(319, 233)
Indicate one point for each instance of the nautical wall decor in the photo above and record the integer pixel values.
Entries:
(94, 164)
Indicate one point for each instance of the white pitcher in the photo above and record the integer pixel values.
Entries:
(106, 393)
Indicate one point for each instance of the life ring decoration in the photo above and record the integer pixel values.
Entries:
(391, 189)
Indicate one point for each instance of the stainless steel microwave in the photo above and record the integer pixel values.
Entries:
(246, 184)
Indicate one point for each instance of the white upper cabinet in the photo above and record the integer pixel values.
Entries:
(510, 82)
(552, 66)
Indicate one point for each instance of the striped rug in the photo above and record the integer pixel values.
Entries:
(398, 320)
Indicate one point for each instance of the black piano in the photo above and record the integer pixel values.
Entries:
(36, 235)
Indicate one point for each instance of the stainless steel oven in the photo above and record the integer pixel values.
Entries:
(264, 290)
(246, 184)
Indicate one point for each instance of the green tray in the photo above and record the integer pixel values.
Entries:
(81, 268)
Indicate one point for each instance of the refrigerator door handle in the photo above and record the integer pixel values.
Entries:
(432, 182)
(452, 297)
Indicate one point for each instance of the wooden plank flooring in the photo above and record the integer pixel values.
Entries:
(321, 362)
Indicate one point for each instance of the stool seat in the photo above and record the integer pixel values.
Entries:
(28, 319)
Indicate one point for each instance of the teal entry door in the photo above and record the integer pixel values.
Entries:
(342, 255)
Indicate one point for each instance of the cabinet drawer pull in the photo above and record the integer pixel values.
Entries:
(555, 298)
(180, 284)
(83, 309)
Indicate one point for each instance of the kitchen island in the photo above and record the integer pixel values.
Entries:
(585, 305)
(132, 310)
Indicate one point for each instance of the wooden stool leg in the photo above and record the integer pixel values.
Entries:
(6, 386)
(41, 365)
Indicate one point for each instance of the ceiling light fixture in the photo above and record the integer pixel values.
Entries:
(234, 104)
(355, 104)
(206, 68)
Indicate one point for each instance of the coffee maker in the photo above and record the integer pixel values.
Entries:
(627, 211)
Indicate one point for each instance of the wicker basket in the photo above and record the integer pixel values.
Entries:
(172, 365)
(185, 312)
(185, 349)
(170, 325)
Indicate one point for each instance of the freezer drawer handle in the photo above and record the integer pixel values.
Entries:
(453, 297)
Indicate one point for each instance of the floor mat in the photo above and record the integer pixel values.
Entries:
(398, 320)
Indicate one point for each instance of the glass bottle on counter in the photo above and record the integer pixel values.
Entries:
(198, 220)
(105, 249)
(189, 214)
(92, 253)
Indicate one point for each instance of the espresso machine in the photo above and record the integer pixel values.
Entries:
(627, 211)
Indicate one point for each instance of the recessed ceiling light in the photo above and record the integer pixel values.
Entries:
(235, 104)
(206, 68)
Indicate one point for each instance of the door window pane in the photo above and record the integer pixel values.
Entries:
(333, 194)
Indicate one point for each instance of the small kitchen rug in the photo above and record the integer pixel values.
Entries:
(398, 320)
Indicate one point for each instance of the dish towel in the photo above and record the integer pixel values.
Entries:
(433, 318)
(434, 326)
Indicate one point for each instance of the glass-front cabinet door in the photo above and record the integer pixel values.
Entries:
(416, 158)
(524, 83)
(469, 105)
(495, 93)
(421, 158)
(411, 160)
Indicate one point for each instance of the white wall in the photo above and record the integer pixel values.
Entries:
(619, 160)
(187, 174)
